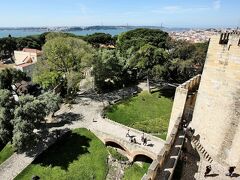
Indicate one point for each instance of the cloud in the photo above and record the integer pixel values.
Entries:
(216, 4)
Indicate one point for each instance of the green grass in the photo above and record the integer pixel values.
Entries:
(79, 155)
(146, 112)
(6, 152)
(135, 172)
(116, 155)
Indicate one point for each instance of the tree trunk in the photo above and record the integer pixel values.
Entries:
(148, 85)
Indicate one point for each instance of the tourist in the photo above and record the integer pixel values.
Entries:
(208, 170)
(134, 140)
(131, 139)
(128, 135)
(230, 171)
(145, 141)
(142, 138)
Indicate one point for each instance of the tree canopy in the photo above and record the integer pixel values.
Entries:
(63, 56)
(139, 37)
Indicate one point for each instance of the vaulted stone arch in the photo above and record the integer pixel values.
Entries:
(117, 144)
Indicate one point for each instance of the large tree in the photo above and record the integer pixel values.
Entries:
(62, 57)
(29, 115)
(139, 37)
(146, 58)
(108, 70)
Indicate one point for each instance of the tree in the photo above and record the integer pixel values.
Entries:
(11, 76)
(51, 101)
(6, 115)
(139, 37)
(27, 116)
(108, 70)
(99, 38)
(146, 58)
(63, 56)
(7, 47)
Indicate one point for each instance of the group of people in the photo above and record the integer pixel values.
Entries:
(133, 139)
(209, 169)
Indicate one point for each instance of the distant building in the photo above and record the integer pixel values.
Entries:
(25, 60)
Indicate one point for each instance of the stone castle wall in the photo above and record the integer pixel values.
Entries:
(216, 116)
(180, 100)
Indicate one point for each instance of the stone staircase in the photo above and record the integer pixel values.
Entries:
(201, 149)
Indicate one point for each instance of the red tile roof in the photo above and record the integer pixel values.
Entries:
(24, 65)
(31, 50)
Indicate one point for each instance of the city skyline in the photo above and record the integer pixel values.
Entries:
(174, 13)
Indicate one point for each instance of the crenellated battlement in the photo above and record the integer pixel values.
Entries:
(230, 38)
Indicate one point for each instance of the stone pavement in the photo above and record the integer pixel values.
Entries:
(89, 111)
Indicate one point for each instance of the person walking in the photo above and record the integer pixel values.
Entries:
(142, 138)
(127, 135)
(145, 141)
(230, 171)
(208, 170)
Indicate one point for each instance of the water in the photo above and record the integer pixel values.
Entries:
(28, 32)
(23, 33)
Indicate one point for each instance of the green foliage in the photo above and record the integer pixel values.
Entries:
(139, 37)
(108, 69)
(79, 155)
(136, 171)
(6, 152)
(44, 76)
(11, 76)
(51, 101)
(116, 155)
(23, 136)
(7, 47)
(99, 38)
(53, 35)
(28, 116)
(154, 118)
(9, 44)
(64, 60)
(186, 60)
(6, 115)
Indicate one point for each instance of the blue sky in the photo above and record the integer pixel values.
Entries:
(170, 13)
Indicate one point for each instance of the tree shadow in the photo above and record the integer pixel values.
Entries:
(167, 92)
(64, 151)
(65, 118)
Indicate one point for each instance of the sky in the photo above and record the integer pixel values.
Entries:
(169, 13)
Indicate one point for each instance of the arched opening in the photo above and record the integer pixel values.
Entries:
(114, 144)
(142, 158)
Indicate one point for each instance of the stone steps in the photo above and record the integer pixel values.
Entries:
(201, 149)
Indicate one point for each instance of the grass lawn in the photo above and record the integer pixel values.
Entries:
(5, 153)
(146, 112)
(135, 172)
(78, 155)
(116, 155)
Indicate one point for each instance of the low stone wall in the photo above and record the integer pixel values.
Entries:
(158, 164)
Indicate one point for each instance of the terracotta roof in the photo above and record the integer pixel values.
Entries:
(32, 50)
(24, 65)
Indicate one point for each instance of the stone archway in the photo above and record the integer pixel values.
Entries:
(142, 158)
(119, 146)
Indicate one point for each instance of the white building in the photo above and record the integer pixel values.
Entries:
(25, 60)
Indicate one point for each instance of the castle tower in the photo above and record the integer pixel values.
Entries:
(216, 116)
